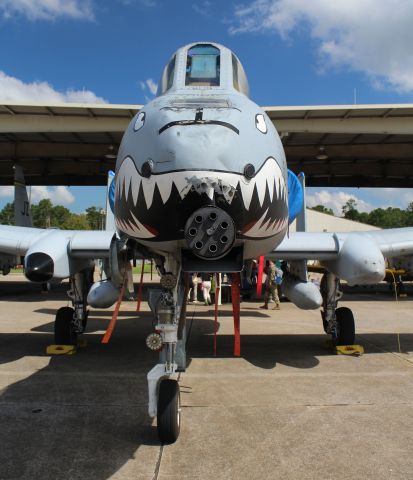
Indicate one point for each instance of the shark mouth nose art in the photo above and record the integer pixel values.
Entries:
(257, 205)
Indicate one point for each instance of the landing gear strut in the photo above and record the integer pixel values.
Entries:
(163, 388)
(71, 321)
(337, 322)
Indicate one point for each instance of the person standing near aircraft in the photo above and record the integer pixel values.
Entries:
(193, 290)
(206, 287)
(271, 291)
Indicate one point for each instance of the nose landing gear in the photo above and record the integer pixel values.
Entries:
(163, 387)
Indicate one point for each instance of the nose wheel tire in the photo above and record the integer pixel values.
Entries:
(345, 326)
(169, 411)
(63, 327)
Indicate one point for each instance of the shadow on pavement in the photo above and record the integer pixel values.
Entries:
(85, 416)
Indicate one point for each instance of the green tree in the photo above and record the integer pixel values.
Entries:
(388, 218)
(409, 215)
(59, 216)
(323, 209)
(42, 213)
(350, 211)
(95, 217)
(7, 214)
(76, 222)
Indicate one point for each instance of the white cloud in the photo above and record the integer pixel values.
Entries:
(14, 90)
(6, 191)
(149, 85)
(335, 201)
(203, 7)
(366, 35)
(47, 9)
(58, 195)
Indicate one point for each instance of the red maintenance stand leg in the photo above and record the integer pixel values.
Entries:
(217, 290)
(259, 277)
(138, 306)
(235, 294)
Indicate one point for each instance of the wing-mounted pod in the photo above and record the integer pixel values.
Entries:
(359, 260)
(59, 254)
(104, 293)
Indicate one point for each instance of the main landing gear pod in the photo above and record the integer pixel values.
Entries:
(210, 233)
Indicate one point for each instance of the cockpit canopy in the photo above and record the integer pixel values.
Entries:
(203, 65)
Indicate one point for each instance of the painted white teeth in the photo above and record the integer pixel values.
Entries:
(261, 183)
(164, 183)
(182, 184)
(136, 184)
(148, 190)
(271, 186)
(210, 193)
(269, 176)
(254, 231)
(143, 231)
(246, 192)
(266, 229)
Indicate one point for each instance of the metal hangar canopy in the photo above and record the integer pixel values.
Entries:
(337, 145)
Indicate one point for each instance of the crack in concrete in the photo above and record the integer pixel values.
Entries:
(158, 464)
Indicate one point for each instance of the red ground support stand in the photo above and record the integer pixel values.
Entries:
(115, 313)
(235, 294)
(259, 278)
(217, 290)
(138, 306)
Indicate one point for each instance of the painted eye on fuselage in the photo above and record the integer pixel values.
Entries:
(260, 123)
(139, 122)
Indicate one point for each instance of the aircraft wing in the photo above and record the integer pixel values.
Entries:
(65, 251)
(357, 257)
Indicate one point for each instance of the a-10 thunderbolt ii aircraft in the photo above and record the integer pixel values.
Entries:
(201, 185)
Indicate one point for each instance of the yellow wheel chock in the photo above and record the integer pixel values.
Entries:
(61, 350)
(66, 349)
(355, 350)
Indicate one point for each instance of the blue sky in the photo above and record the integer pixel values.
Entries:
(295, 52)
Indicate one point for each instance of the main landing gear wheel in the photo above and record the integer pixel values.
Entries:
(169, 411)
(345, 325)
(63, 327)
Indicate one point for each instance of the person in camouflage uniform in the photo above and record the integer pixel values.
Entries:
(271, 291)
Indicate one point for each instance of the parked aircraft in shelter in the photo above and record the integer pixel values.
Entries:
(201, 185)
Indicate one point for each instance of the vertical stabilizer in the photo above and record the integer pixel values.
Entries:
(22, 211)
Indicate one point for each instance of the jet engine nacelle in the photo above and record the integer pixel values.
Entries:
(102, 294)
(58, 254)
(40, 266)
(304, 295)
(359, 260)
